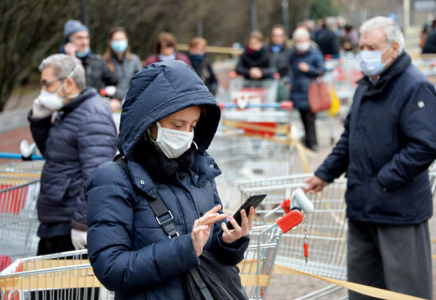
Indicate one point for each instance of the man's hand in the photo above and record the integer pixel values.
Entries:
(303, 67)
(201, 229)
(70, 49)
(255, 73)
(78, 238)
(231, 236)
(314, 185)
(39, 110)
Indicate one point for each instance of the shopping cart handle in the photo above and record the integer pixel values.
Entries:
(298, 199)
(290, 220)
(19, 156)
(284, 105)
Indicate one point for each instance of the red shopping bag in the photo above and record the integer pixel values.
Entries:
(319, 97)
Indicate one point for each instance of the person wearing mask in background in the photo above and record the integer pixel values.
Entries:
(255, 62)
(306, 64)
(76, 44)
(75, 133)
(122, 62)
(428, 28)
(387, 146)
(202, 64)
(327, 39)
(165, 50)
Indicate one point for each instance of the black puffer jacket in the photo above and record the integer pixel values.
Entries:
(82, 137)
(255, 59)
(98, 74)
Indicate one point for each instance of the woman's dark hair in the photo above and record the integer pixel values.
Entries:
(109, 52)
(164, 38)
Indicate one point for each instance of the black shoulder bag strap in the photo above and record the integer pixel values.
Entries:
(160, 210)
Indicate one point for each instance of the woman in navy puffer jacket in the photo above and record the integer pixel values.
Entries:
(130, 252)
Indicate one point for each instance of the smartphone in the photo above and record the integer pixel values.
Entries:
(253, 200)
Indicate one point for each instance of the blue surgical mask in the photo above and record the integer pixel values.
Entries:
(371, 62)
(119, 46)
(83, 54)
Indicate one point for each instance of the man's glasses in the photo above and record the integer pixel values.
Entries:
(46, 84)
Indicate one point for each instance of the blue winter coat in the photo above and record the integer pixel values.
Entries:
(128, 249)
(82, 137)
(387, 146)
(300, 81)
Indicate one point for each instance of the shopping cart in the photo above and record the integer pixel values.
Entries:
(325, 231)
(254, 91)
(19, 190)
(252, 142)
(62, 276)
(68, 275)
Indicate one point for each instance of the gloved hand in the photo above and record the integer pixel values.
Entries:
(78, 238)
(39, 110)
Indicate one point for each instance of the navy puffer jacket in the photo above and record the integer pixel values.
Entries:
(388, 144)
(82, 137)
(128, 249)
(300, 81)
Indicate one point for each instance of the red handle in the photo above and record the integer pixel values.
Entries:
(290, 220)
(306, 250)
(286, 205)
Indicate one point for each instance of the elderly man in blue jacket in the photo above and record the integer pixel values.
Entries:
(387, 146)
(75, 133)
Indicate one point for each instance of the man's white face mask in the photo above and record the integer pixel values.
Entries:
(173, 143)
(53, 101)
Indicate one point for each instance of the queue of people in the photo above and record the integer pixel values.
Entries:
(169, 120)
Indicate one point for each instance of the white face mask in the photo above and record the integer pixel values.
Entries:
(53, 101)
(172, 143)
(302, 47)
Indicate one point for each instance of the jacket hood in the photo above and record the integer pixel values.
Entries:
(160, 90)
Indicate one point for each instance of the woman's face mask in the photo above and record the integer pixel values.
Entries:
(119, 46)
(173, 143)
(302, 47)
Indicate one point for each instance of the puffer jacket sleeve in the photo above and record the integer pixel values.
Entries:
(417, 124)
(96, 144)
(337, 162)
(317, 68)
(241, 67)
(40, 129)
(228, 253)
(110, 237)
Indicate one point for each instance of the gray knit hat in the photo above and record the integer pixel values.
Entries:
(72, 26)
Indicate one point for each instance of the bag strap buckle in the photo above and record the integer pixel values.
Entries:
(168, 225)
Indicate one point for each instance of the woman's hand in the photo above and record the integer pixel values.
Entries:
(231, 236)
(201, 229)
(304, 67)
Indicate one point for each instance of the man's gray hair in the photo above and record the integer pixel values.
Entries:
(299, 32)
(390, 28)
(63, 65)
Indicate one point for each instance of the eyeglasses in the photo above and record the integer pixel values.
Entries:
(46, 84)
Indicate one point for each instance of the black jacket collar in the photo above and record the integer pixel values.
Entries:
(87, 93)
(397, 67)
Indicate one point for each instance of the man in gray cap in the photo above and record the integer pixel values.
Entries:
(76, 44)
